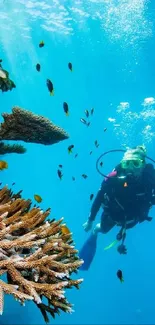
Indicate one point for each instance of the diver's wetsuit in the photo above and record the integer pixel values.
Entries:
(125, 201)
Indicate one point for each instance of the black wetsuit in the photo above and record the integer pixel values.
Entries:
(126, 201)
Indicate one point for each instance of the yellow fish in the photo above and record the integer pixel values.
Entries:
(3, 164)
(37, 198)
(65, 230)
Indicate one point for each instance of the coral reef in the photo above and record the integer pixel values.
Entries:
(11, 148)
(36, 255)
(28, 127)
(5, 82)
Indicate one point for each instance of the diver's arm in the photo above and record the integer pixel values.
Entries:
(97, 202)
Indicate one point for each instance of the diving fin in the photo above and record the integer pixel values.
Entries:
(88, 251)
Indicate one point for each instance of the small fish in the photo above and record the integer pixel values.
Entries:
(88, 123)
(13, 183)
(120, 275)
(70, 148)
(101, 163)
(60, 166)
(91, 196)
(50, 87)
(70, 66)
(3, 165)
(1, 60)
(66, 109)
(105, 129)
(90, 152)
(87, 113)
(38, 66)
(65, 230)
(73, 178)
(76, 155)
(59, 173)
(37, 198)
(41, 44)
(92, 111)
(82, 120)
(84, 176)
(96, 144)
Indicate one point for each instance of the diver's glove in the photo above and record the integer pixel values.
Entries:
(122, 249)
(88, 225)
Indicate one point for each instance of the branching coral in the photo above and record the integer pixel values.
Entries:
(35, 254)
(26, 126)
(11, 148)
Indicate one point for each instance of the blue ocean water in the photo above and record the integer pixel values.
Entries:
(111, 46)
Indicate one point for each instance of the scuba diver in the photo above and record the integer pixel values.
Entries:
(126, 196)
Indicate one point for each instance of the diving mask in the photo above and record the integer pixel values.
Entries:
(132, 164)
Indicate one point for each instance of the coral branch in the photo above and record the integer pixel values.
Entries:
(26, 126)
(36, 256)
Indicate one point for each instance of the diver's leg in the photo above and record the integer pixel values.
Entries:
(105, 225)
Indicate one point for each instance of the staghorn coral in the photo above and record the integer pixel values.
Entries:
(36, 256)
(26, 126)
(11, 148)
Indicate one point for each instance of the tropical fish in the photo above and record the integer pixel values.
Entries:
(90, 152)
(37, 198)
(120, 275)
(3, 165)
(92, 111)
(76, 155)
(50, 86)
(73, 178)
(101, 163)
(84, 176)
(70, 66)
(41, 44)
(91, 196)
(87, 113)
(70, 148)
(38, 66)
(65, 230)
(66, 109)
(82, 120)
(59, 174)
(105, 129)
(96, 144)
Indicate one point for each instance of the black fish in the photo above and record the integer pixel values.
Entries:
(59, 173)
(92, 111)
(96, 144)
(120, 275)
(105, 129)
(90, 152)
(76, 155)
(70, 148)
(60, 166)
(66, 109)
(73, 178)
(91, 196)
(83, 120)
(38, 67)
(84, 176)
(87, 113)
(50, 86)
(41, 44)
(70, 66)
(101, 163)
(1, 60)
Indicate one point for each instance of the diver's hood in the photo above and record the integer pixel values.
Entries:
(134, 154)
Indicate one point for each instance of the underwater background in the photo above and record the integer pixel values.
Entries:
(111, 45)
